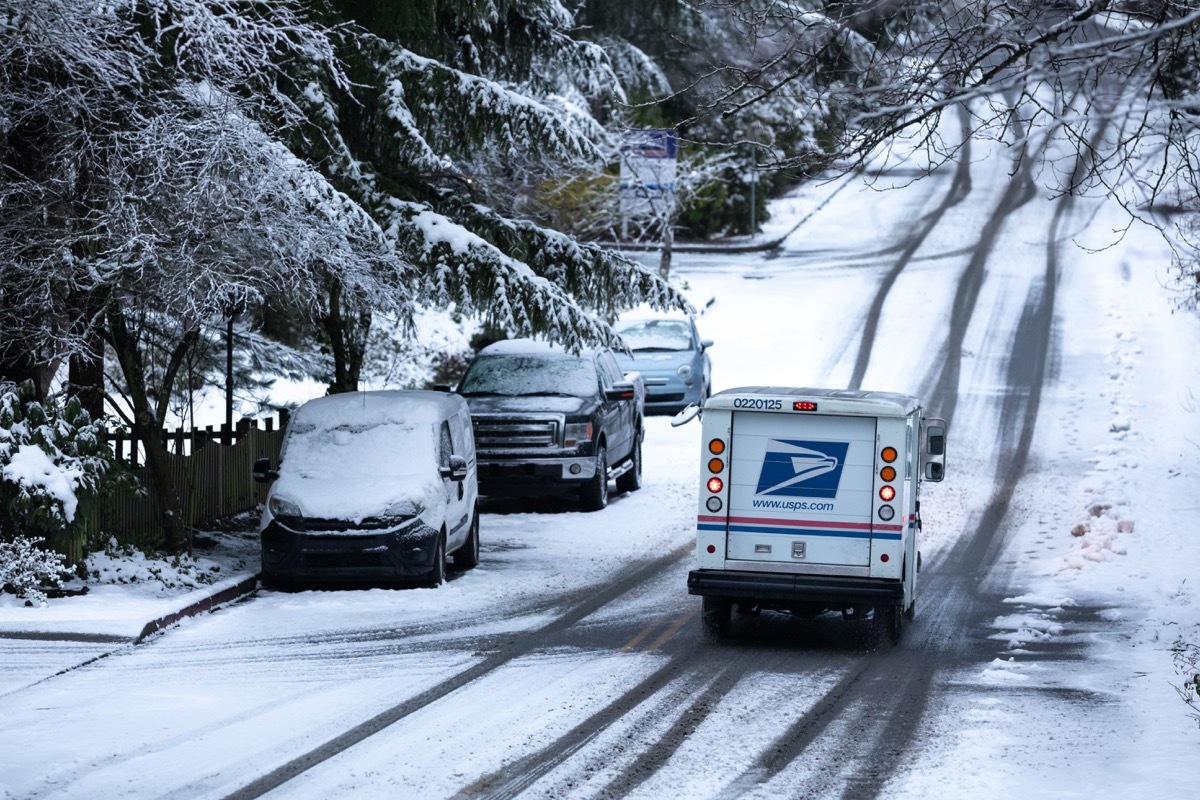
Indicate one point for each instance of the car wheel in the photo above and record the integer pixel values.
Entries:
(437, 574)
(631, 481)
(467, 556)
(594, 494)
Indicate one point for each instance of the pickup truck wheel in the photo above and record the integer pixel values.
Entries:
(717, 617)
(593, 496)
(467, 556)
(631, 481)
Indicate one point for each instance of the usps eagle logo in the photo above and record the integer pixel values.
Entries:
(802, 469)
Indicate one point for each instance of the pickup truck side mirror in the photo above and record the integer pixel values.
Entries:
(621, 390)
(934, 453)
(457, 471)
(262, 471)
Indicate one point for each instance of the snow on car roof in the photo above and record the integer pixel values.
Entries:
(376, 407)
(523, 347)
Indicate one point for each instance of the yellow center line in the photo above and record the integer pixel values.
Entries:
(671, 631)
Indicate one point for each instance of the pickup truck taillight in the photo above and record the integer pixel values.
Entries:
(576, 432)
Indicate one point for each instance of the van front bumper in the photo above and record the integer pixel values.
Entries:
(353, 555)
(772, 587)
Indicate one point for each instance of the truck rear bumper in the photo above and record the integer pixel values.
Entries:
(771, 588)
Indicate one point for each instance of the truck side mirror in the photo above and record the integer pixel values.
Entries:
(621, 390)
(934, 455)
(262, 471)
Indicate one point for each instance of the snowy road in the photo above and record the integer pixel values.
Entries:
(570, 663)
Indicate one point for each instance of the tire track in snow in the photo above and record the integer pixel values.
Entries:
(960, 188)
(596, 599)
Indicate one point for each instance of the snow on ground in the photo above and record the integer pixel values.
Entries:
(1098, 550)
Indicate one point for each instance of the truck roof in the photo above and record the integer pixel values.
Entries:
(840, 401)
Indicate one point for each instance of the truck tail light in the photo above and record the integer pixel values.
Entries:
(888, 454)
(887, 493)
(715, 465)
(716, 447)
(715, 484)
(888, 474)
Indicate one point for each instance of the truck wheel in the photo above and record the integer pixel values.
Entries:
(631, 481)
(437, 574)
(467, 556)
(888, 624)
(717, 617)
(593, 496)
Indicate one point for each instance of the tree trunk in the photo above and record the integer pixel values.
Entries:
(147, 429)
(347, 334)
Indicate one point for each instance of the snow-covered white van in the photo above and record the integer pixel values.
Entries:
(809, 502)
(375, 486)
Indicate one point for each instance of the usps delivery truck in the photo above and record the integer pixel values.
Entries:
(809, 502)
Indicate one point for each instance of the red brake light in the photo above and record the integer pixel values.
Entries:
(887, 493)
(715, 484)
(804, 405)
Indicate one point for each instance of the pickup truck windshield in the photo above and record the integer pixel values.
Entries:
(531, 375)
(657, 335)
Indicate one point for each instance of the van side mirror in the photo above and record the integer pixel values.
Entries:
(457, 471)
(934, 452)
(262, 471)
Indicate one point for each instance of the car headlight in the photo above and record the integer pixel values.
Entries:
(685, 370)
(282, 507)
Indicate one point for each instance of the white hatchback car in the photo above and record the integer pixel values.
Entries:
(372, 486)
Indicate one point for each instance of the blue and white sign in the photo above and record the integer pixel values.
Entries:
(795, 468)
(648, 172)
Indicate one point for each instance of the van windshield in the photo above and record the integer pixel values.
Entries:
(530, 375)
(387, 448)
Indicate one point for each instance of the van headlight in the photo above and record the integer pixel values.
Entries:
(405, 509)
(282, 507)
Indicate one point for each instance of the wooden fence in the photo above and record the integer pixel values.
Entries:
(213, 473)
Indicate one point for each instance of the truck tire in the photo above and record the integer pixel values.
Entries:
(631, 481)
(467, 556)
(593, 495)
(717, 617)
(888, 624)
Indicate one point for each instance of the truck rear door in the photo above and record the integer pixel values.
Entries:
(801, 490)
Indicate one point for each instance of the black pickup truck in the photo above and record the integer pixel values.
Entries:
(549, 421)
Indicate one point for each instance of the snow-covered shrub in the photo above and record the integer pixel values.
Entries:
(27, 570)
(1187, 664)
(51, 456)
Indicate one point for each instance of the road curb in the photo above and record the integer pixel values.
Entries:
(220, 597)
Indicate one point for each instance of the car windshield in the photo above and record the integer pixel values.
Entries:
(530, 375)
(657, 334)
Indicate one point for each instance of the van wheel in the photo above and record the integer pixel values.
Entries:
(631, 481)
(467, 556)
(594, 494)
(437, 575)
(717, 617)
